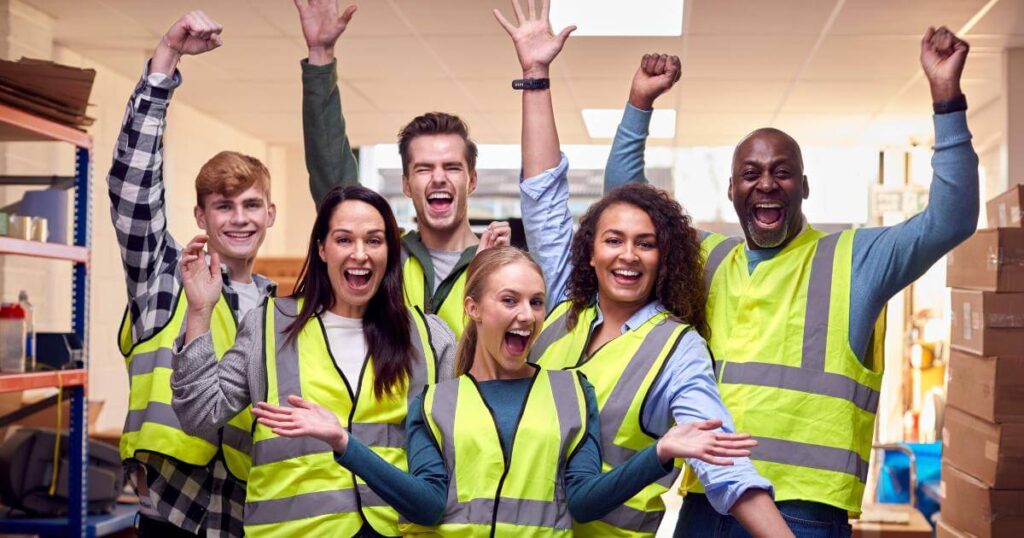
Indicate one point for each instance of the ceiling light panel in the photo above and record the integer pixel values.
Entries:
(603, 18)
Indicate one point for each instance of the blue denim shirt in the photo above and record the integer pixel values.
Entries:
(685, 391)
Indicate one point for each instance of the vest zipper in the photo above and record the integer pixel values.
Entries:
(506, 454)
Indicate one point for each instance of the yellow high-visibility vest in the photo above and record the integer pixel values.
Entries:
(151, 424)
(622, 372)
(296, 488)
(414, 284)
(494, 493)
(786, 371)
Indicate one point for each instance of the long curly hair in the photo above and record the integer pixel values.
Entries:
(679, 284)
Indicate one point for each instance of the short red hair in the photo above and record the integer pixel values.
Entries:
(229, 173)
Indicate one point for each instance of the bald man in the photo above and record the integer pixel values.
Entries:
(797, 315)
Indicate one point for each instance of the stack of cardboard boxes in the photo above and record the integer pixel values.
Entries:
(983, 434)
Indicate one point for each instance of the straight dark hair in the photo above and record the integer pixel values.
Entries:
(386, 322)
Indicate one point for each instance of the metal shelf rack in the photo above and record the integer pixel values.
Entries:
(18, 125)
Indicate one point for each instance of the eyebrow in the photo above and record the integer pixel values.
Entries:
(620, 232)
(368, 232)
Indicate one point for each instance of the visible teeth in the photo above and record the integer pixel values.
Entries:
(358, 272)
(624, 272)
(768, 205)
(520, 332)
(439, 196)
(238, 234)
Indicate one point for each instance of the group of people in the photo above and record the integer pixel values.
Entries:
(433, 382)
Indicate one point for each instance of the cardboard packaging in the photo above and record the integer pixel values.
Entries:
(986, 323)
(46, 418)
(945, 530)
(1003, 211)
(990, 260)
(987, 387)
(992, 453)
(977, 510)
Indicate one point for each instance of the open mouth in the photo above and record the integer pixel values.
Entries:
(626, 277)
(769, 214)
(440, 202)
(239, 236)
(358, 278)
(516, 341)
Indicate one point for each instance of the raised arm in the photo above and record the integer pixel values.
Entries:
(330, 160)
(544, 195)
(655, 76)
(888, 259)
(135, 181)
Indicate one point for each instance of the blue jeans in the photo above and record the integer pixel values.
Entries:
(806, 519)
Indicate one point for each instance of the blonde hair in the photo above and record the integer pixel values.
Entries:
(229, 173)
(485, 263)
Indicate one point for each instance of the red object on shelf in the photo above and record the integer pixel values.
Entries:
(37, 249)
(38, 380)
(18, 125)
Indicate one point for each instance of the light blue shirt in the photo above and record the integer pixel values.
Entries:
(885, 259)
(685, 390)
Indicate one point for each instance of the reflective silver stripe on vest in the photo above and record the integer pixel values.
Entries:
(145, 363)
(418, 376)
(159, 413)
(379, 434)
(625, 517)
(446, 398)
(613, 413)
(237, 438)
(826, 458)
(715, 258)
(286, 356)
(369, 498)
(277, 449)
(301, 506)
(567, 405)
(819, 297)
(510, 511)
(799, 379)
(549, 335)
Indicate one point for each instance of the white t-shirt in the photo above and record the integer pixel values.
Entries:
(248, 296)
(348, 344)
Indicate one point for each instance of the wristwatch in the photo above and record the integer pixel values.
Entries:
(531, 84)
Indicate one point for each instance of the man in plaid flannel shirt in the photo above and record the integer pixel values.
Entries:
(177, 498)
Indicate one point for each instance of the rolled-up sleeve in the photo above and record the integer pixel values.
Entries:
(686, 391)
(544, 201)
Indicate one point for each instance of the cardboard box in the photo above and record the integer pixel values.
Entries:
(1003, 211)
(46, 418)
(976, 510)
(987, 387)
(986, 323)
(945, 530)
(990, 260)
(992, 453)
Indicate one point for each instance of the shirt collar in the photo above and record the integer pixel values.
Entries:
(638, 318)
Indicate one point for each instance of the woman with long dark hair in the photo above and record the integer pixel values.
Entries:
(344, 339)
(507, 448)
(628, 308)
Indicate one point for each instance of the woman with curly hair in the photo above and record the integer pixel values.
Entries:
(631, 315)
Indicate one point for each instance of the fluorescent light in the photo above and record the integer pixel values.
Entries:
(602, 122)
(605, 18)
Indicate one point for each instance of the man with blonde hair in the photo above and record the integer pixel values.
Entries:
(187, 485)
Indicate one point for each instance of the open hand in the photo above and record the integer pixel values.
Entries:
(304, 418)
(536, 45)
(322, 25)
(700, 440)
(656, 75)
(498, 233)
(202, 282)
(943, 55)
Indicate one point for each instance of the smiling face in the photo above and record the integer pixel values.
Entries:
(625, 257)
(508, 315)
(236, 224)
(767, 188)
(356, 253)
(439, 181)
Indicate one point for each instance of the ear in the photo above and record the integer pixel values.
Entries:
(320, 251)
(471, 308)
(729, 192)
(472, 182)
(271, 215)
(406, 189)
(200, 215)
(806, 188)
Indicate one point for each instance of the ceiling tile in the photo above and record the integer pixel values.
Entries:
(725, 57)
(726, 95)
(399, 60)
(777, 18)
(902, 17)
(866, 58)
(841, 98)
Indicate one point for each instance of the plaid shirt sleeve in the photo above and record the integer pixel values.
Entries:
(149, 253)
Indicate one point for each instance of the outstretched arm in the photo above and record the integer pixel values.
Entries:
(655, 76)
(330, 160)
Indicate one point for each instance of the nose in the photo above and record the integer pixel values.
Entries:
(359, 253)
(766, 183)
(525, 314)
(238, 215)
(629, 253)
